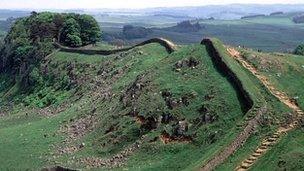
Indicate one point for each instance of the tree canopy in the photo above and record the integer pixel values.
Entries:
(31, 38)
(299, 50)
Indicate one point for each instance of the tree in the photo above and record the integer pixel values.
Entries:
(298, 19)
(70, 33)
(41, 26)
(30, 39)
(58, 21)
(73, 40)
(299, 50)
(90, 30)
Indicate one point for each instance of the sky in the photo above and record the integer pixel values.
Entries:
(94, 4)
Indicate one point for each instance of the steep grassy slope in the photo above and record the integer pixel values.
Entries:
(268, 121)
(285, 72)
(141, 109)
(287, 155)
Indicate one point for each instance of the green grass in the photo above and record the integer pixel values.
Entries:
(172, 156)
(261, 97)
(29, 139)
(285, 71)
(287, 155)
(23, 142)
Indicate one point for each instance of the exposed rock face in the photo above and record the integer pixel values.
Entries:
(129, 98)
(181, 128)
(206, 116)
(191, 62)
(149, 124)
(166, 118)
(173, 103)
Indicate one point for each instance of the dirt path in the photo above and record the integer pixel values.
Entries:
(268, 142)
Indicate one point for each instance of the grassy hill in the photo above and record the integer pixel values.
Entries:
(89, 108)
(142, 109)
(154, 106)
(284, 71)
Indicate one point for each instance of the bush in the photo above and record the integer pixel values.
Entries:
(35, 78)
(299, 50)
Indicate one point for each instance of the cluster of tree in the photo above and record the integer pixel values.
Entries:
(134, 32)
(185, 26)
(31, 38)
(276, 13)
(253, 16)
(299, 50)
(298, 19)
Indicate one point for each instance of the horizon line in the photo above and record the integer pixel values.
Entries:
(141, 8)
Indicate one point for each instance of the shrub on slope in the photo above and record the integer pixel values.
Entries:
(299, 50)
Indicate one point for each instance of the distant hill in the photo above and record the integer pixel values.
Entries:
(131, 32)
(185, 27)
(5, 14)
(298, 19)
(234, 11)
